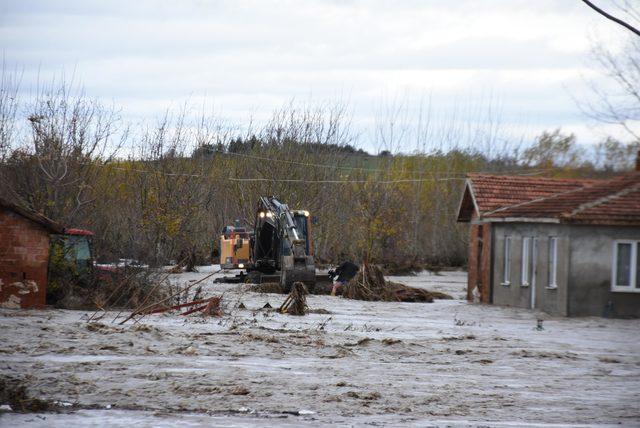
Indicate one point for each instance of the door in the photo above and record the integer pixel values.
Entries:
(479, 283)
(534, 270)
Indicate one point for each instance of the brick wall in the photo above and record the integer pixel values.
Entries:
(479, 265)
(473, 274)
(24, 260)
(485, 263)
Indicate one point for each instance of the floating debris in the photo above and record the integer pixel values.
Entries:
(369, 284)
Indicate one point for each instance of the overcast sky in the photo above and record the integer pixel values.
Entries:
(527, 57)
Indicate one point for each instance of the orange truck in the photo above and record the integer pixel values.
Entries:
(234, 247)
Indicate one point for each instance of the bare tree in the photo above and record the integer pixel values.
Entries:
(9, 85)
(618, 102)
(65, 139)
(613, 155)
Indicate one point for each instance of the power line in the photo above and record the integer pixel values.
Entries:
(145, 171)
(286, 180)
(295, 180)
(310, 164)
(327, 166)
(352, 168)
(452, 177)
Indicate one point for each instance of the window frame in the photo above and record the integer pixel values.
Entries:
(525, 264)
(506, 262)
(552, 262)
(634, 284)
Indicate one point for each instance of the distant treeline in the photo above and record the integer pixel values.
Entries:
(253, 143)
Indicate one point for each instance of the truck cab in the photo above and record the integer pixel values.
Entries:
(76, 247)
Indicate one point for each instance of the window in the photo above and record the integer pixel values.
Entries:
(507, 261)
(526, 261)
(626, 267)
(553, 262)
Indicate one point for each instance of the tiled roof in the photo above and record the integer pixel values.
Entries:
(496, 191)
(622, 209)
(615, 201)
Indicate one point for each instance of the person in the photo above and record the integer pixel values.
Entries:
(342, 275)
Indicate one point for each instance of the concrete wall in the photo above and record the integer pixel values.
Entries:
(550, 300)
(591, 273)
(24, 260)
(584, 272)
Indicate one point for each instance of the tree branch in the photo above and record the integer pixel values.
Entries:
(612, 18)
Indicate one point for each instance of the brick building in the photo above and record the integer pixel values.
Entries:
(24, 256)
(564, 246)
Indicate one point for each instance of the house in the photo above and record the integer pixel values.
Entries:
(568, 247)
(24, 256)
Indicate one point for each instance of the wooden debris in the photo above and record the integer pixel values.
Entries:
(207, 306)
(370, 284)
(213, 307)
(267, 287)
(174, 307)
(142, 311)
(296, 301)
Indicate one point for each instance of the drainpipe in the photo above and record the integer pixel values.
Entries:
(608, 310)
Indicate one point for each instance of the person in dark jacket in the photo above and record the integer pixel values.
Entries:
(342, 275)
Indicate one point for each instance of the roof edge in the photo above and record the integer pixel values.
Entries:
(34, 216)
(520, 220)
(467, 188)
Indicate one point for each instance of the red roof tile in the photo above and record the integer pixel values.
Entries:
(496, 191)
(623, 209)
(614, 201)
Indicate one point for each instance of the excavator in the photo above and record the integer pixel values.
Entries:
(281, 248)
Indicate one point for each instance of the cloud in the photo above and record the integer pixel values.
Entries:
(250, 57)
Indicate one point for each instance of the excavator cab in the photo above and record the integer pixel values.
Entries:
(282, 246)
(301, 220)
